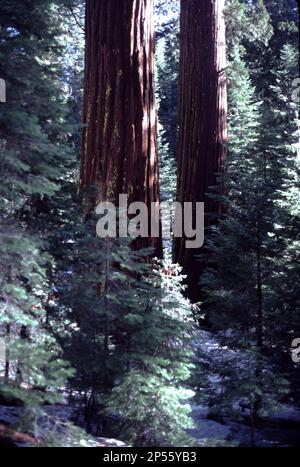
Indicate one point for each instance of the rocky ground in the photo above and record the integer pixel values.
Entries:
(279, 429)
(283, 429)
(55, 425)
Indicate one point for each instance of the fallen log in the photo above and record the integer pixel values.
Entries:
(13, 438)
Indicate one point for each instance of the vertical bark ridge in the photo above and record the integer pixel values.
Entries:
(119, 150)
(202, 138)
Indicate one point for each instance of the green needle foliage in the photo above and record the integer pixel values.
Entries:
(251, 252)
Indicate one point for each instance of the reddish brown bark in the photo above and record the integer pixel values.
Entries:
(10, 437)
(119, 152)
(202, 116)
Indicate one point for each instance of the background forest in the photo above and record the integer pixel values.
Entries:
(96, 340)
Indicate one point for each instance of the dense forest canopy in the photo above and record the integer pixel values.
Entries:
(138, 336)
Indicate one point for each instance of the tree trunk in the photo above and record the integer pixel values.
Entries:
(119, 153)
(259, 331)
(7, 359)
(202, 117)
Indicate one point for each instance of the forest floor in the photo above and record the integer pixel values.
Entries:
(279, 429)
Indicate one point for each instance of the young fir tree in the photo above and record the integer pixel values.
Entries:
(152, 396)
(283, 117)
(117, 338)
(275, 71)
(33, 160)
(249, 253)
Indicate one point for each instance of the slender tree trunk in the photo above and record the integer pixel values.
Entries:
(119, 153)
(259, 330)
(202, 116)
(7, 360)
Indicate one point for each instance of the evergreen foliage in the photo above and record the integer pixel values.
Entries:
(93, 321)
(251, 253)
(34, 158)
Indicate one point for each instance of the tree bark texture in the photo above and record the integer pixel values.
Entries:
(119, 151)
(202, 135)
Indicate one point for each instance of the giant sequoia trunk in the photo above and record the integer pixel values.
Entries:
(119, 152)
(202, 116)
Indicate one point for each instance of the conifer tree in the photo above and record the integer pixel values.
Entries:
(119, 152)
(202, 117)
(251, 251)
(167, 52)
(33, 161)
